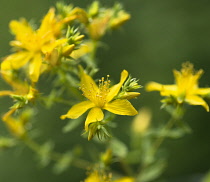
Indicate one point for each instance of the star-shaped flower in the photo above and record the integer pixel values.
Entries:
(33, 45)
(99, 98)
(186, 87)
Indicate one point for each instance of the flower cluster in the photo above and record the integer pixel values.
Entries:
(56, 63)
(66, 38)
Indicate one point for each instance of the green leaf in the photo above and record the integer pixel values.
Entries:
(6, 143)
(152, 172)
(45, 153)
(72, 124)
(119, 148)
(206, 177)
(133, 157)
(175, 133)
(63, 163)
(184, 126)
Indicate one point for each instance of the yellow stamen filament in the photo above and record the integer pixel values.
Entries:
(98, 96)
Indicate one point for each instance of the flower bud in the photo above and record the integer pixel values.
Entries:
(128, 95)
(94, 8)
(120, 20)
(107, 157)
(142, 121)
(67, 50)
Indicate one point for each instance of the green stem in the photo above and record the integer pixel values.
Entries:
(176, 115)
(31, 144)
(164, 132)
(59, 100)
(82, 164)
(95, 47)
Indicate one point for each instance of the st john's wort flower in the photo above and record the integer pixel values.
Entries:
(186, 87)
(100, 98)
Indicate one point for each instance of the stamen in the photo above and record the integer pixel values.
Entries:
(97, 96)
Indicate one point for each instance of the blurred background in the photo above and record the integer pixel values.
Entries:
(160, 36)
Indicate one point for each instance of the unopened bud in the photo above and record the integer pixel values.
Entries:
(67, 50)
(120, 20)
(81, 15)
(94, 8)
(142, 121)
(128, 95)
(79, 38)
(107, 157)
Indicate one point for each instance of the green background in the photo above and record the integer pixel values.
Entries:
(160, 36)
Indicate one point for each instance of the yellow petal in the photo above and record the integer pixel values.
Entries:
(48, 48)
(125, 179)
(121, 107)
(196, 100)
(15, 126)
(94, 177)
(98, 26)
(153, 86)
(34, 67)
(119, 20)
(165, 90)
(16, 60)
(67, 50)
(81, 15)
(6, 92)
(169, 90)
(21, 29)
(78, 109)
(202, 91)
(116, 88)
(8, 114)
(88, 86)
(94, 115)
(83, 49)
(47, 21)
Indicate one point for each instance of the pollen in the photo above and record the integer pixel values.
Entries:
(104, 89)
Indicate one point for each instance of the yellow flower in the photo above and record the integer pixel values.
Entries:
(16, 126)
(84, 49)
(21, 89)
(185, 88)
(33, 45)
(99, 20)
(121, 18)
(98, 26)
(96, 177)
(100, 97)
(125, 179)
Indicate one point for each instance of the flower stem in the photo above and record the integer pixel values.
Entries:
(164, 132)
(176, 115)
